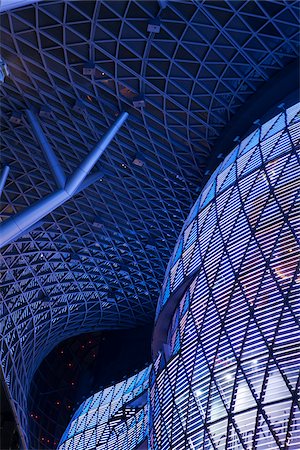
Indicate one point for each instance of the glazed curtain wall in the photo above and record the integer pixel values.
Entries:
(229, 378)
(113, 419)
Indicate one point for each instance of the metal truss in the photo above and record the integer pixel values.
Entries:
(99, 259)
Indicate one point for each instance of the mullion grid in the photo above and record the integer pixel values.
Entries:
(271, 358)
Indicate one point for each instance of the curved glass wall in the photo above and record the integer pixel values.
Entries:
(227, 374)
(113, 419)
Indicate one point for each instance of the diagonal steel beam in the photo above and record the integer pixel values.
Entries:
(3, 178)
(6, 5)
(53, 162)
(19, 224)
(91, 179)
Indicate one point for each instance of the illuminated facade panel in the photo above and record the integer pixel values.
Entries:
(227, 371)
(114, 418)
(97, 262)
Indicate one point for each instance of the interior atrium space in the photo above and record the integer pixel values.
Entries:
(150, 224)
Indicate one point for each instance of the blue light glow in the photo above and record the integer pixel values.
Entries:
(232, 373)
(109, 419)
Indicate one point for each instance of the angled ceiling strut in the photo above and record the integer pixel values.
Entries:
(3, 178)
(6, 5)
(19, 224)
(53, 162)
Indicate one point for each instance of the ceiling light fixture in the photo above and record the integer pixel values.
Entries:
(139, 101)
(16, 117)
(153, 25)
(138, 160)
(88, 68)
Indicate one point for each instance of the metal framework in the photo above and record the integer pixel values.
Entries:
(98, 260)
(227, 375)
(113, 419)
(19, 224)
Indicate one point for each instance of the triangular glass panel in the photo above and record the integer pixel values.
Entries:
(187, 231)
(244, 398)
(195, 260)
(254, 162)
(267, 126)
(179, 250)
(74, 15)
(276, 126)
(278, 417)
(210, 195)
(242, 161)
(221, 177)
(179, 275)
(245, 426)
(230, 179)
(287, 337)
(230, 158)
(252, 142)
(293, 113)
(253, 344)
(194, 211)
(246, 143)
(216, 408)
(193, 235)
(268, 145)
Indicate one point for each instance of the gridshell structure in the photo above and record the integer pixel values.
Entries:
(113, 419)
(227, 374)
(98, 260)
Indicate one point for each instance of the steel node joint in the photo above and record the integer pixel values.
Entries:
(23, 221)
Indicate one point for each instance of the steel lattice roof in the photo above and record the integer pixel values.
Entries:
(98, 260)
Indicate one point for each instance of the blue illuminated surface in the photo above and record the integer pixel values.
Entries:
(66, 275)
(244, 160)
(228, 374)
(114, 418)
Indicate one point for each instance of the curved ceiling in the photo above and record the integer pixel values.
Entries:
(182, 70)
